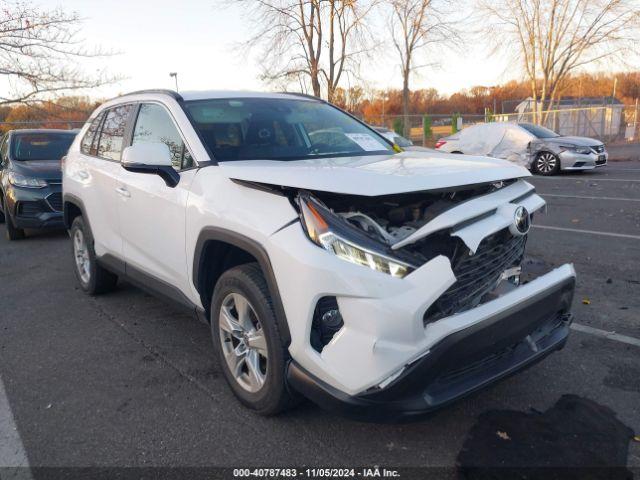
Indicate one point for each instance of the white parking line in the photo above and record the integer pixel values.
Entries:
(12, 453)
(588, 198)
(590, 232)
(586, 179)
(604, 334)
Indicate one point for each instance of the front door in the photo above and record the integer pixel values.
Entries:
(152, 214)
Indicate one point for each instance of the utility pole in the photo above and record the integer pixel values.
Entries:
(175, 77)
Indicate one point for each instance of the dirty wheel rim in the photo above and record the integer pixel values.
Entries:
(546, 163)
(81, 254)
(243, 343)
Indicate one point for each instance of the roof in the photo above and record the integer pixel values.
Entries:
(589, 101)
(574, 101)
(44, 130)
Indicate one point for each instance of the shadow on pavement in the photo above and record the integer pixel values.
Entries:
(575, 439)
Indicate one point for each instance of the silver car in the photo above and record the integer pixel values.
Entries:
(538, 148)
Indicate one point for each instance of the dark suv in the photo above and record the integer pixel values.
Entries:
(31, 179)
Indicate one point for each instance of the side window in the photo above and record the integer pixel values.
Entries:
(87, 140)
(154, 124)
(112, 133)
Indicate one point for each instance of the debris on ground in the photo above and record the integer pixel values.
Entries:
(586, 301)
(577, 438)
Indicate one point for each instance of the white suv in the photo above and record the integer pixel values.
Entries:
(378, 283)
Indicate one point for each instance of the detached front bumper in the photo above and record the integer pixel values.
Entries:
(460, 363)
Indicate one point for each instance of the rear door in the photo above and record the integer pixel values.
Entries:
(152, 214)
(101, 148)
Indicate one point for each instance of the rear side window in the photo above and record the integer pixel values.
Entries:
(155, 125)
(88, 146)
(112, 133)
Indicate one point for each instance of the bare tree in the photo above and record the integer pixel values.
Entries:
(555, 38)
(309, 42)
(39, 51)
(415, 25)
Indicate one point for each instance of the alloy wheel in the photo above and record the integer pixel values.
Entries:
(546, 162)
(81, 254)
(243, 342)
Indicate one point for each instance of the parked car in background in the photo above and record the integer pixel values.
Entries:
(541, 150)
(377, 283)
(31, 179)
(399, 140)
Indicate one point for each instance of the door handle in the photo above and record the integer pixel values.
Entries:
(123, 192)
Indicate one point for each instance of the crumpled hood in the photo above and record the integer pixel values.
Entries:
(578, 141)
(376, 175)
(48, 169)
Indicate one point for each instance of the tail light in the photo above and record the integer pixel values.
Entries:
(439, 143)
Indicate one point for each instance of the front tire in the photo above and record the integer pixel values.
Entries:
(1, 209)
(247, 341)
(546, 163)
(93, 278)
(13, 232)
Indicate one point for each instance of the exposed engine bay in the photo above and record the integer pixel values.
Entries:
(383, 224)
(389, 219)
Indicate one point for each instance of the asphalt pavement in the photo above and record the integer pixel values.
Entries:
(126, 379)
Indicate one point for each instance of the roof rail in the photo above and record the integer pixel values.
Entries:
(171, 93)
(305, 95)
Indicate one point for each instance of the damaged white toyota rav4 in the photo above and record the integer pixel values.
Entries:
(378, 283)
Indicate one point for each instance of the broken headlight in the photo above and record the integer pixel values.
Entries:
(332, 233)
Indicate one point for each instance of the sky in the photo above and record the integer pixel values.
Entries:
(198, 39)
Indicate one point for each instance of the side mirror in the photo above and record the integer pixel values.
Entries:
(152, 157)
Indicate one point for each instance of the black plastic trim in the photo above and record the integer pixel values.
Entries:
(420, 389)
(146, 282)
(172, 93)
(72, 199)
(168, 174)
(258, 252)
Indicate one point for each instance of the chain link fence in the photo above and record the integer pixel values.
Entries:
(612, 124)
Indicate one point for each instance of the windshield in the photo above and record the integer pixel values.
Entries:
(281, 129)
(40, 146)
(539, 131)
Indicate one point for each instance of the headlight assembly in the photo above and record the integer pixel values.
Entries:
(331, 233)
(576, 149)
(19, 180)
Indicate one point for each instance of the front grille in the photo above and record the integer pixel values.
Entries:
(478, 274)
(601, 160)
(598, 148)
(55, 201)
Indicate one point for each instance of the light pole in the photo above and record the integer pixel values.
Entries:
(175, 77)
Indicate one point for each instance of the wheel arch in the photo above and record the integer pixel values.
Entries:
(72, 207)
(217, 250)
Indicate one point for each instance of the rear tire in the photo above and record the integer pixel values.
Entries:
(546, 163)
(247, 340)
(93, 278)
